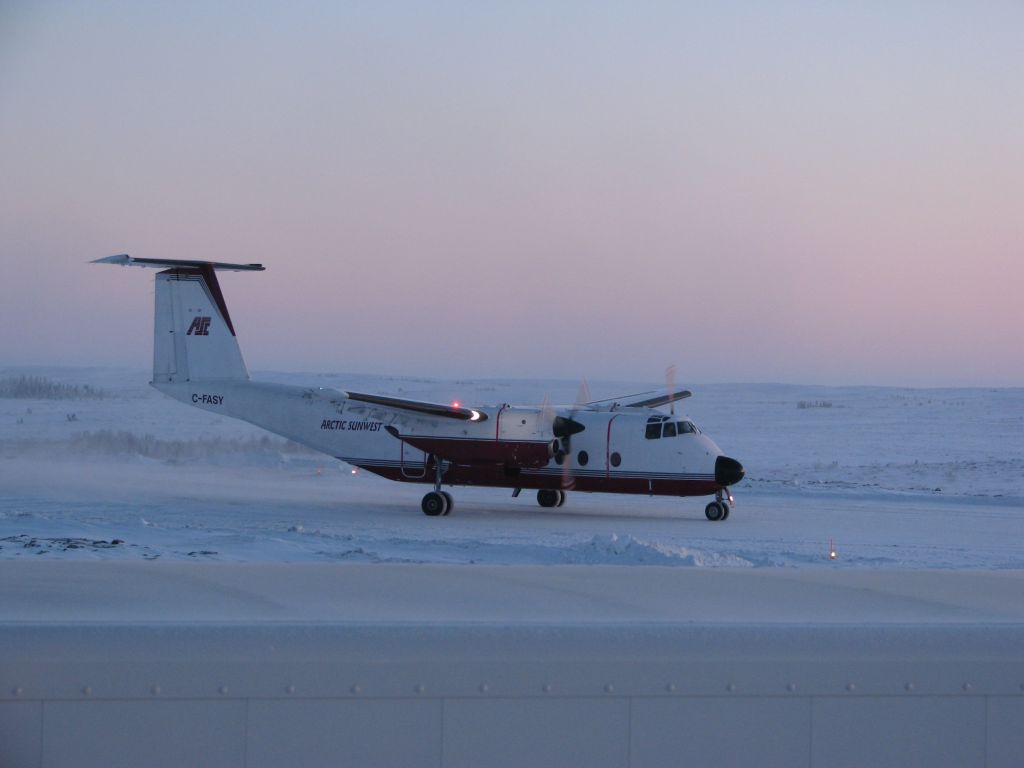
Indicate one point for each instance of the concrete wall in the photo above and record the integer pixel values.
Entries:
(141, 664)
(738, 696)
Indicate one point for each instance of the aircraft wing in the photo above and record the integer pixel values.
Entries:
(665, 399)
(416, 406)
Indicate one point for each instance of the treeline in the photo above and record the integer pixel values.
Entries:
(814, 404)
(110, 442)
(41, 388)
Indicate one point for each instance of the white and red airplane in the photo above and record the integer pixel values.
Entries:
(604, 446)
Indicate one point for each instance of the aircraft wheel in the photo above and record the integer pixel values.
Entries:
(434, 504)
(727, 508)
(714, 511)
(562, 496)
(451, 503)
(547, 497)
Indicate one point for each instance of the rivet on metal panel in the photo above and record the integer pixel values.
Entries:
(791, 687)
(289, 689)
(484, 687)
(86, 691)
(966, 687)
(356, 689)
(223, 690)
(548, 688)
(609, 688)
(421, 688)
(851, 687)
(155, 690)
(670, 687)
(17, 690)
(908, 687)
(731, 687)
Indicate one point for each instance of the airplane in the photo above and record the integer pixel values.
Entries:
(603, 446)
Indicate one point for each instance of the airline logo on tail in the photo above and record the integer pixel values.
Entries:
(200, 327)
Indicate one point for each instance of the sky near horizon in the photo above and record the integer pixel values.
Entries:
(798, 192)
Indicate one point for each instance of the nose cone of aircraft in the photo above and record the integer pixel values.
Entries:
(728, 471)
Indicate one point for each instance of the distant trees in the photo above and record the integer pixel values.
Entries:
(41, 388)
(115, 442)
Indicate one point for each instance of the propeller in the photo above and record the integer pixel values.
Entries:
(545, 415)
(564, 428)
(670, 387)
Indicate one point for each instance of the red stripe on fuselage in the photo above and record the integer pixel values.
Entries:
(497, 476)
(515, 453)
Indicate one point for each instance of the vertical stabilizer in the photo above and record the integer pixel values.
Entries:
(194, 339)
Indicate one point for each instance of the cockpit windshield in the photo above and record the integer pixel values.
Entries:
(662, 426)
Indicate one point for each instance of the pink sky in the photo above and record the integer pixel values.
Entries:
(782, 193)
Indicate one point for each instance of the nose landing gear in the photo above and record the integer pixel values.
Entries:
(719, 508)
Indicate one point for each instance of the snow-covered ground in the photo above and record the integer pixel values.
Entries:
(905, 478)
(266, 631)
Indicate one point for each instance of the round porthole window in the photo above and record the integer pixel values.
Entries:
(583, 458)
(615, 459)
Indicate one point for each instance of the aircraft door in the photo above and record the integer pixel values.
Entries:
(413, 461)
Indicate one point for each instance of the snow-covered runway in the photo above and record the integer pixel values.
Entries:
(71, 510)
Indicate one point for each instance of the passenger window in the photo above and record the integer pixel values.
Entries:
(670, 429)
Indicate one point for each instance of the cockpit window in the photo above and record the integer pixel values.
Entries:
(660, 426)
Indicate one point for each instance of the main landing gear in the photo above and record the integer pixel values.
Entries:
(437, 503)
(550, 497)
(719, 508)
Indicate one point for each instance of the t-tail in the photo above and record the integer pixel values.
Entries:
(193, 337)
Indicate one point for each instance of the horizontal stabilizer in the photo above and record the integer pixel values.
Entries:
(431, 409)
(665, 399)
(130, 261)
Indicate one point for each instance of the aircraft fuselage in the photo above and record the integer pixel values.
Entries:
(511, 447)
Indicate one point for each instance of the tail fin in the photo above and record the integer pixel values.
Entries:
(194, 339)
